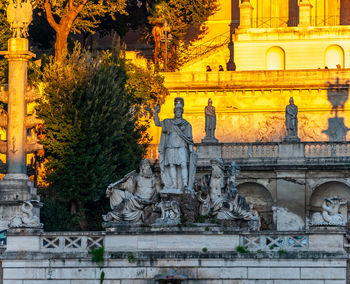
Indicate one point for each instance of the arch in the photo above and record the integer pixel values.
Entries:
(334, 55)
(275, 58)
(329, 189)
(258, 196)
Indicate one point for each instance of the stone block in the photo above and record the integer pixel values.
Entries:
(222, 273)
(323, 273)
(298, 282)
(23, 243)
(273, 273)
(326, 242)
(125, 273)
(72, 273)
(12, 282)
(24, 273)
(120, 243)
(335, 282)
(47, 282)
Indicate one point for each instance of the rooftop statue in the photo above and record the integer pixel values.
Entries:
(210, 123)
(330, 214)
(292, 122)
(130, 195)
(19, 16)
(177, 158)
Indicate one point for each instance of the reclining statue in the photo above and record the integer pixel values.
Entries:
(130, 195)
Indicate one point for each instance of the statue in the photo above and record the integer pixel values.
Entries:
(130, 195)
(19, 16)
(223, 201)
(210, 123)
(177, 158)
(330, 214)
(292, 122)
(27, 220)
(170, 213)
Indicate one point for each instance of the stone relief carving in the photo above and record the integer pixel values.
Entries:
(170, 213)
(27, 218)
(177, 158)
(19, 16)
(330, 214)
(130, 195)
(210, 123)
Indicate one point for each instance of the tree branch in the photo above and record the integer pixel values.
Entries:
(80, 7)
(50, 17)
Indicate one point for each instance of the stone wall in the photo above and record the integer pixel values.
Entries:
(211, 257)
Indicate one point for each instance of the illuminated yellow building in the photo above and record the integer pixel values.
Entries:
(281, 49)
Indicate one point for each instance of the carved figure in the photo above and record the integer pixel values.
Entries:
(210, 123)
(19, 16)
(177, 159)
(227, 205)
(157, 32)
(330, 214)
(292, 121)
(27, 220)
(130, 195)
(170, 213)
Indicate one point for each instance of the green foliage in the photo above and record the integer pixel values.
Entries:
(88, 18)
(201, 218)
(93, 133)
(204, 249)
(5, 34)
(98, 257)
(281, 252)
(131, 258)
(242, 249)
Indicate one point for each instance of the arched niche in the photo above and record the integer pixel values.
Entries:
(275, 58)
(329, 189)
(334, 55)
(258, 196)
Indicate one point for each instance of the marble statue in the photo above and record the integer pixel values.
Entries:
(130, 195)
(330, 214)
(19, 16)
(170, 213)
(223, 201)
(27, 219)
(210, 123)
(177, 158)
(292, 122)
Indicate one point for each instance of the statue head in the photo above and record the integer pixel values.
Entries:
(178, 107)
(291, 100)
(210, 102)
(217, 162)
(145, 167)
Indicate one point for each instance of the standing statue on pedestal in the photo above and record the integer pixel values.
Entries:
(210, 123)
(292, 122)
(130, 195)
(177, 159)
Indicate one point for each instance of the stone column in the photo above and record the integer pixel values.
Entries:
(18, 57)
(305, 13)
(246, 14)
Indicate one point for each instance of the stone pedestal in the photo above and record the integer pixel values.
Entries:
(246, 14)
(305, 13)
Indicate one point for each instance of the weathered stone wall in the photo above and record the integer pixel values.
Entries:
(141, 257)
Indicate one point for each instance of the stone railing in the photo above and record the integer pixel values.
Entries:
(271, 153)
(274, 242)
(72, 241)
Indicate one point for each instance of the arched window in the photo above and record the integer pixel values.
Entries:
(334, 56)
(275, 58)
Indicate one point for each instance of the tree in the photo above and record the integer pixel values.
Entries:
(5, 34)
(66, 16)
(92, 113)
(186, 23)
